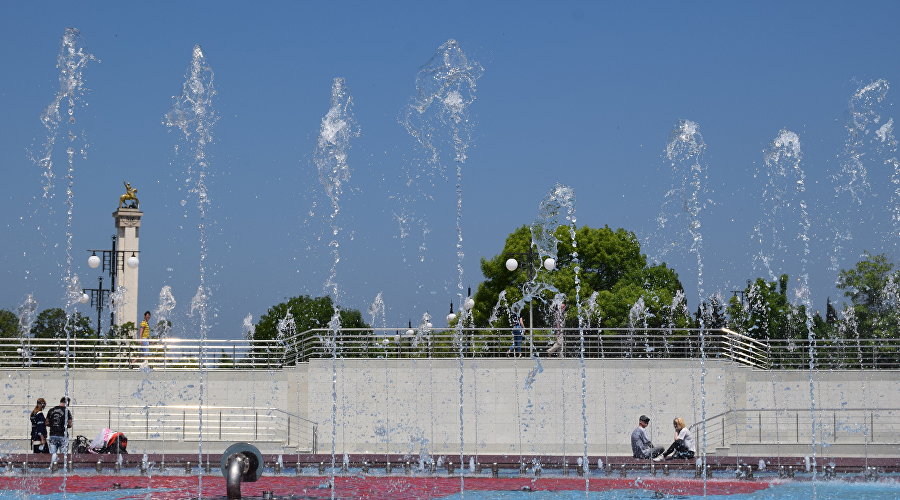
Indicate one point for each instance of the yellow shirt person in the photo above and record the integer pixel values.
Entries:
(144, 333)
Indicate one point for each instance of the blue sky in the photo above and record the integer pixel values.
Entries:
(580, 93)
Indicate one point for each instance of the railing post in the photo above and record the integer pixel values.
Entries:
(220, 425)
(288, 442)
(256, 426)
(147, 423)
(315, 439)
(759, 419)
(109, 418)
(183, 424)
(797, 419)
(723, 432)
(834, 417)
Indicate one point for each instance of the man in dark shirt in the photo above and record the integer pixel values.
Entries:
(59, 421)
(641, 447)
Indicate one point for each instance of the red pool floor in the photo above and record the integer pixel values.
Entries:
(373, 487)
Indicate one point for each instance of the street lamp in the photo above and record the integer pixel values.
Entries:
(452, 316)
(97, 297)
(529, 257)
(470, 302)
(113, 262)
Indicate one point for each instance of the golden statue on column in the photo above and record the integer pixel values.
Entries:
(130, 195)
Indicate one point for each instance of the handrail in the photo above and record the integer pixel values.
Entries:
(639, 343)
(748, 426)
(496, 342)
(184, 423)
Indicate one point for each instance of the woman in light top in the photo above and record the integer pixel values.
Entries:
(683, 447)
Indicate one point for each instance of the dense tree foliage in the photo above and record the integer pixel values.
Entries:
(291, 321)
(851, 338)
(872, 287)
(9, 324)
(609, 263)
(52, 324)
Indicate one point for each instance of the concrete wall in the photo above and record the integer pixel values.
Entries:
(101, 397)
(509, 406)
(408, 406)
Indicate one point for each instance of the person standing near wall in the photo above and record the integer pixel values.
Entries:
(39, 428)
(59, 419)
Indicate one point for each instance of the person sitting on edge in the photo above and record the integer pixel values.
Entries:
(683, 447)
(641, 447)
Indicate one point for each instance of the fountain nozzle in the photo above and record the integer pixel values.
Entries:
(240, 462)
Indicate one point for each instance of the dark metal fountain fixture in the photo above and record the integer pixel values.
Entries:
(240, 462)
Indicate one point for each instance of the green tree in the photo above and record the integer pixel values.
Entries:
(712, 312)
(610, 263)
(9, 324)
(51, 324)
(768, 312)
(126, 330)
(871, 285)
(9, 329)
(310, 313)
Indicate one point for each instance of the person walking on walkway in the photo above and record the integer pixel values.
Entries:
(560, 320)
(641, 446)
(39, 428)
(517, 332)
(144, 335)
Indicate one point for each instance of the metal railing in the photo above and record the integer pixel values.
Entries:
(498, 342)
(131, 353)
(838, 354)
(828, 426)
(176, 353)
(183, 423)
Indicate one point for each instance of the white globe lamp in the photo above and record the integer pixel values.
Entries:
(132, 262)
(512, 264)
(93, 262)
(549, 263)
(470, 302)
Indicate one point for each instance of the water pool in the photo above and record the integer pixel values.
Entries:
(399, 487)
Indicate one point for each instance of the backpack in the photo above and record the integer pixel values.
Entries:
(118, 444)
(81, 445)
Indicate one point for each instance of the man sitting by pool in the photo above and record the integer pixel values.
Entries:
(641, 447)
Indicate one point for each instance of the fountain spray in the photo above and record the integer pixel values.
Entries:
(193, 114)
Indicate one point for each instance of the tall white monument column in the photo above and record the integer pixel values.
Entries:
(128, 227)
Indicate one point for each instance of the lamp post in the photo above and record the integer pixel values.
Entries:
(97, 297)
(113, 262)
(529, 257)
(466, 309)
